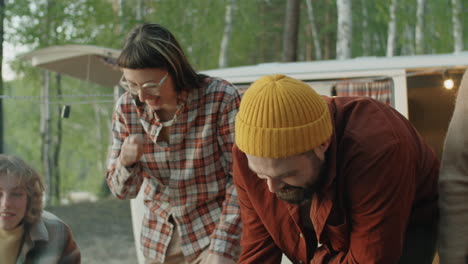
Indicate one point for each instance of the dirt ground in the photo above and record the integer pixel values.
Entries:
(102, 230)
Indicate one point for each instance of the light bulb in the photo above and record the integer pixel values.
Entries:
(448, 84)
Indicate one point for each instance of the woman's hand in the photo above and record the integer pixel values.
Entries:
(131, 150)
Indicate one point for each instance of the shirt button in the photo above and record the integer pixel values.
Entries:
(301, 235)
(301, 262)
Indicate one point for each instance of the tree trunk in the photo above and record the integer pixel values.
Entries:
(139, 10)
(330, 37)
(2, 17)
(430, 30)
(121, 26)
(345, 25)
(57, 146)
(457, 26)
(45, 113)
(365, 30)
(291, 29)
(420, 27)
(45, 135)
(313, 27)
(392, 29)
(100, 149)
(261, 50)
(408, 47)
(225, 41)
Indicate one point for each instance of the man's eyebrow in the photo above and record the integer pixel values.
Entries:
(282, 175)
(288, 173)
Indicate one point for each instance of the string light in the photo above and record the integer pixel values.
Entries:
(448, 81)
(448, 84)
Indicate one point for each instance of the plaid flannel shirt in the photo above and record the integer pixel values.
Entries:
(189, 179)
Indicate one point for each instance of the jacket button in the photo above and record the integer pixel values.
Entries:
(301, 235)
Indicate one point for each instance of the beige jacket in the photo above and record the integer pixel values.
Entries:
(453, 184)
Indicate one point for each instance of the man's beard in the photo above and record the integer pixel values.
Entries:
(298, 195)
(295, 195)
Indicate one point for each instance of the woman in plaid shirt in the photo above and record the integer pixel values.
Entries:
(173, 131)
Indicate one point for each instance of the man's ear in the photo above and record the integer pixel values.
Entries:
(321, 149)
(324, 146)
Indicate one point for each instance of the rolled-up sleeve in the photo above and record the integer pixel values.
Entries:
(257, 244)
(124, 182)
(226, 236)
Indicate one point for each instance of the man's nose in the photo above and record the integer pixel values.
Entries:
(274, 185)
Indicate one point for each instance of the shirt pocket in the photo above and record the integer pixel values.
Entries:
(338, 236)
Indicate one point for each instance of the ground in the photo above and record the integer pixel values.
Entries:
(102, 230)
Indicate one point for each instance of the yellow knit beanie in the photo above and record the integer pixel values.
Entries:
(280, 116)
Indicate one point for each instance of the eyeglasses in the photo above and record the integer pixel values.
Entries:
(149, 87)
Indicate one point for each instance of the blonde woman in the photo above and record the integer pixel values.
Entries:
(27, 233)
(173, 134)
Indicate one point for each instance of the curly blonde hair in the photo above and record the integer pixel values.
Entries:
(30, 180)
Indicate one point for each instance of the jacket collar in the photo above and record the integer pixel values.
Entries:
(33, 233)
(38, 231)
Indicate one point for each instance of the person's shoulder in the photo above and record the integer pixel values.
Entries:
(372, 125)
(53, 221)
(351, 102)
(363, 108)
(125, 99)
(218, 85)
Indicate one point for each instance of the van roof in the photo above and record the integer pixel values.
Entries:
(336, 68)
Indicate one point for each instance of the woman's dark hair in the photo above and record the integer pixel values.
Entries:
(153, 46)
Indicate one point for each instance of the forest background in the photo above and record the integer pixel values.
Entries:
(71, 152)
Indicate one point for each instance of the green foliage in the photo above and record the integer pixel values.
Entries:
(198, 25)
(85, 137)
(439, 37)
(21, 121)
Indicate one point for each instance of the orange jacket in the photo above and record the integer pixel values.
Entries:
(381, 178)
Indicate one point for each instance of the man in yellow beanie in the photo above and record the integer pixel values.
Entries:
(331, 180)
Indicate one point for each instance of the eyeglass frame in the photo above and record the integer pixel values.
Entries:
(149, 86)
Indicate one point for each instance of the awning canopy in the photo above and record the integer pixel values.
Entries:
(85, 62)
